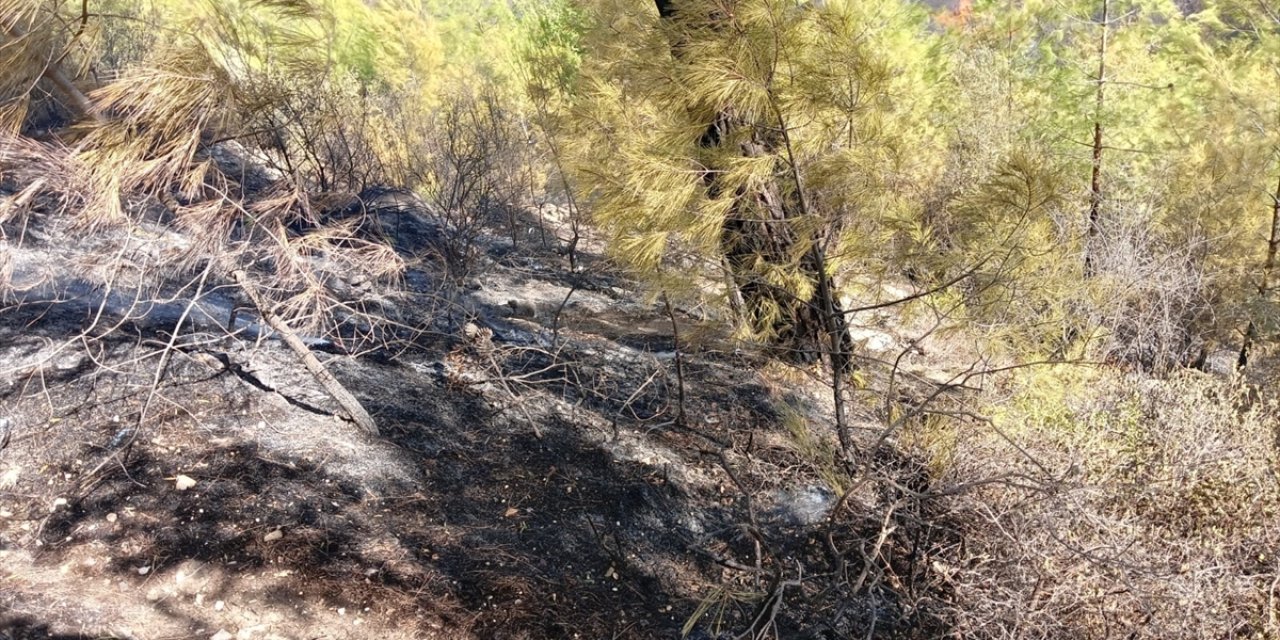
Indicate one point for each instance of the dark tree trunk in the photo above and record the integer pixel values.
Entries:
(758, 231)
(1095, 179)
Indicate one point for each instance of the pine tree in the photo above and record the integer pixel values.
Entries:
(765, 138)
(1239, 55)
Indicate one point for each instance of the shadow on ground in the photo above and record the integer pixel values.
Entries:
(459, 518)
(534, 487)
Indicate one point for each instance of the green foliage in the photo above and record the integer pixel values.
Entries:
(1185, 172)
(847, 85)
(550, 51)
(871, 146)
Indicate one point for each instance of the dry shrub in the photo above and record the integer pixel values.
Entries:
(1149, 297)
(1130, 508)
(28, 46)
(6, 264)
(468, 158)
(322, 129)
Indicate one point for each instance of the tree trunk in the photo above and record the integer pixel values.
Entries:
(72, 98)
(1264, 285)
(1095, 181)
(758, 231)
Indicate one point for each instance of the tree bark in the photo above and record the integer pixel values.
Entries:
(344, 398)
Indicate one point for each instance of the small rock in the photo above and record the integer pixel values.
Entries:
(522, 309)
(193, 576)
(184, 482)
(70, 362)
(142, 571)
(273, 536)
(222, 634)
(111, 517)
(122, 437)
(219, 605)
(804, 506)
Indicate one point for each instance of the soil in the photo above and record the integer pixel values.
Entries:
(531, 481)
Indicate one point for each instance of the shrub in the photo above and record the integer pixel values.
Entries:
(1152, 515)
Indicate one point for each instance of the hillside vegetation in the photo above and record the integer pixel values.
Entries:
(845, 318)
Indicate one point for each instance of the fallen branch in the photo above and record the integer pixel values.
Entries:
(336, 390)
(74, 99)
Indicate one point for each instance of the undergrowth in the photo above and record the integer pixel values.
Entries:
(1125, 507)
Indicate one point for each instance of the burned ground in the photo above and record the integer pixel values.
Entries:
(538, 485)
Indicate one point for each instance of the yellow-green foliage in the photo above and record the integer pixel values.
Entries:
(936, 437)
(416, 50)
(849, 84)
(395, 43)
(1039, 400)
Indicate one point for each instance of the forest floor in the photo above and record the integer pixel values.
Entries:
(536, 485)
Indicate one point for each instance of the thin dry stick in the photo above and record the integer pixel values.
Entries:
(331, 384)
(169, 348)
(555, 320)
(511, 392)
(679, 362)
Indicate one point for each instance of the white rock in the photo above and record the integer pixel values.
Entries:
(222, 634)
(273, 536)
(184, 482)
(10, 478)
